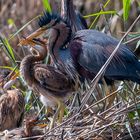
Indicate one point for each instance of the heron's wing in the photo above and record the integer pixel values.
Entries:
(95, 57)
(51, 78)
(93, 50)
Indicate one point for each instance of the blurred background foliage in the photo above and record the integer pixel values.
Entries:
(17, 20)
(16, 13)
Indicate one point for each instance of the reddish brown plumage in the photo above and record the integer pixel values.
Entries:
(52, 83)
(47, 80)
(11, 109)
(54, 80)
(29, 130)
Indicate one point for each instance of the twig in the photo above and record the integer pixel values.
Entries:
(131, 40)
(102, 70)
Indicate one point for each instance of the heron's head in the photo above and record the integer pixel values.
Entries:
(59, 35)
(49, 20)
(60, 32)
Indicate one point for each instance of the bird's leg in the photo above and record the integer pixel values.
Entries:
(76, 85)
(60, 112)
(110, 99)
(49, 111)
(107, 92)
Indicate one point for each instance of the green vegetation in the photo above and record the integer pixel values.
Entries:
(94, 121)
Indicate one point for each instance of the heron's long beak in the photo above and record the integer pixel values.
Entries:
(30, 39)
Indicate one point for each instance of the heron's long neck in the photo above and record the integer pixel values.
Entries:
(26, 69)
(67, 8)
(69, 14)
(60, 36)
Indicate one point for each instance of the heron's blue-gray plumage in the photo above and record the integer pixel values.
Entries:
(90, 49)
(94, 50)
